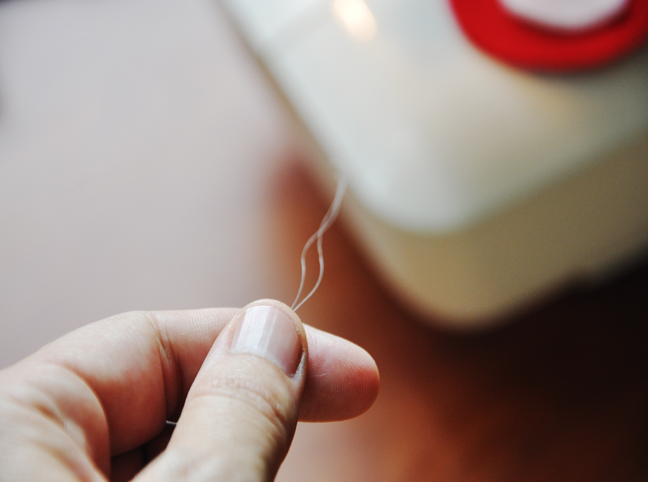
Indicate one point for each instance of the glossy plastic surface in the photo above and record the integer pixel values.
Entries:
(434, 135)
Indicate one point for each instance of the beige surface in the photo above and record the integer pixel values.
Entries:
(174, 182)
(137, 154)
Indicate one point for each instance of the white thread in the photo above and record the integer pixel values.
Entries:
(326, 223)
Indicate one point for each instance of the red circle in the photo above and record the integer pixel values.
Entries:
(493, 29)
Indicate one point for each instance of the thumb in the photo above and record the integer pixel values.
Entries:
(241, 411)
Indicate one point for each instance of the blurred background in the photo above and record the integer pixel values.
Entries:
(147, 163)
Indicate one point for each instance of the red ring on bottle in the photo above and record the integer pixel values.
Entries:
(515, 41)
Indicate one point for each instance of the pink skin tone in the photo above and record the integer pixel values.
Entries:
(93, 404)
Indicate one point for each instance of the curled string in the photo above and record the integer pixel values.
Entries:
(326, 223)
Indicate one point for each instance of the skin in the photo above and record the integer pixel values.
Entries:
(93, 405)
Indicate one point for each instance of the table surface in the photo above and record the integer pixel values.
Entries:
(151, 166)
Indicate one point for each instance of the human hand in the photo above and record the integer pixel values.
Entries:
(93, 405)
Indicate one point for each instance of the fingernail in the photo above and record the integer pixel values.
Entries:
(269, 333)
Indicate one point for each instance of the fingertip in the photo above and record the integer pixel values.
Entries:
(272, 330)
(342, 381)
